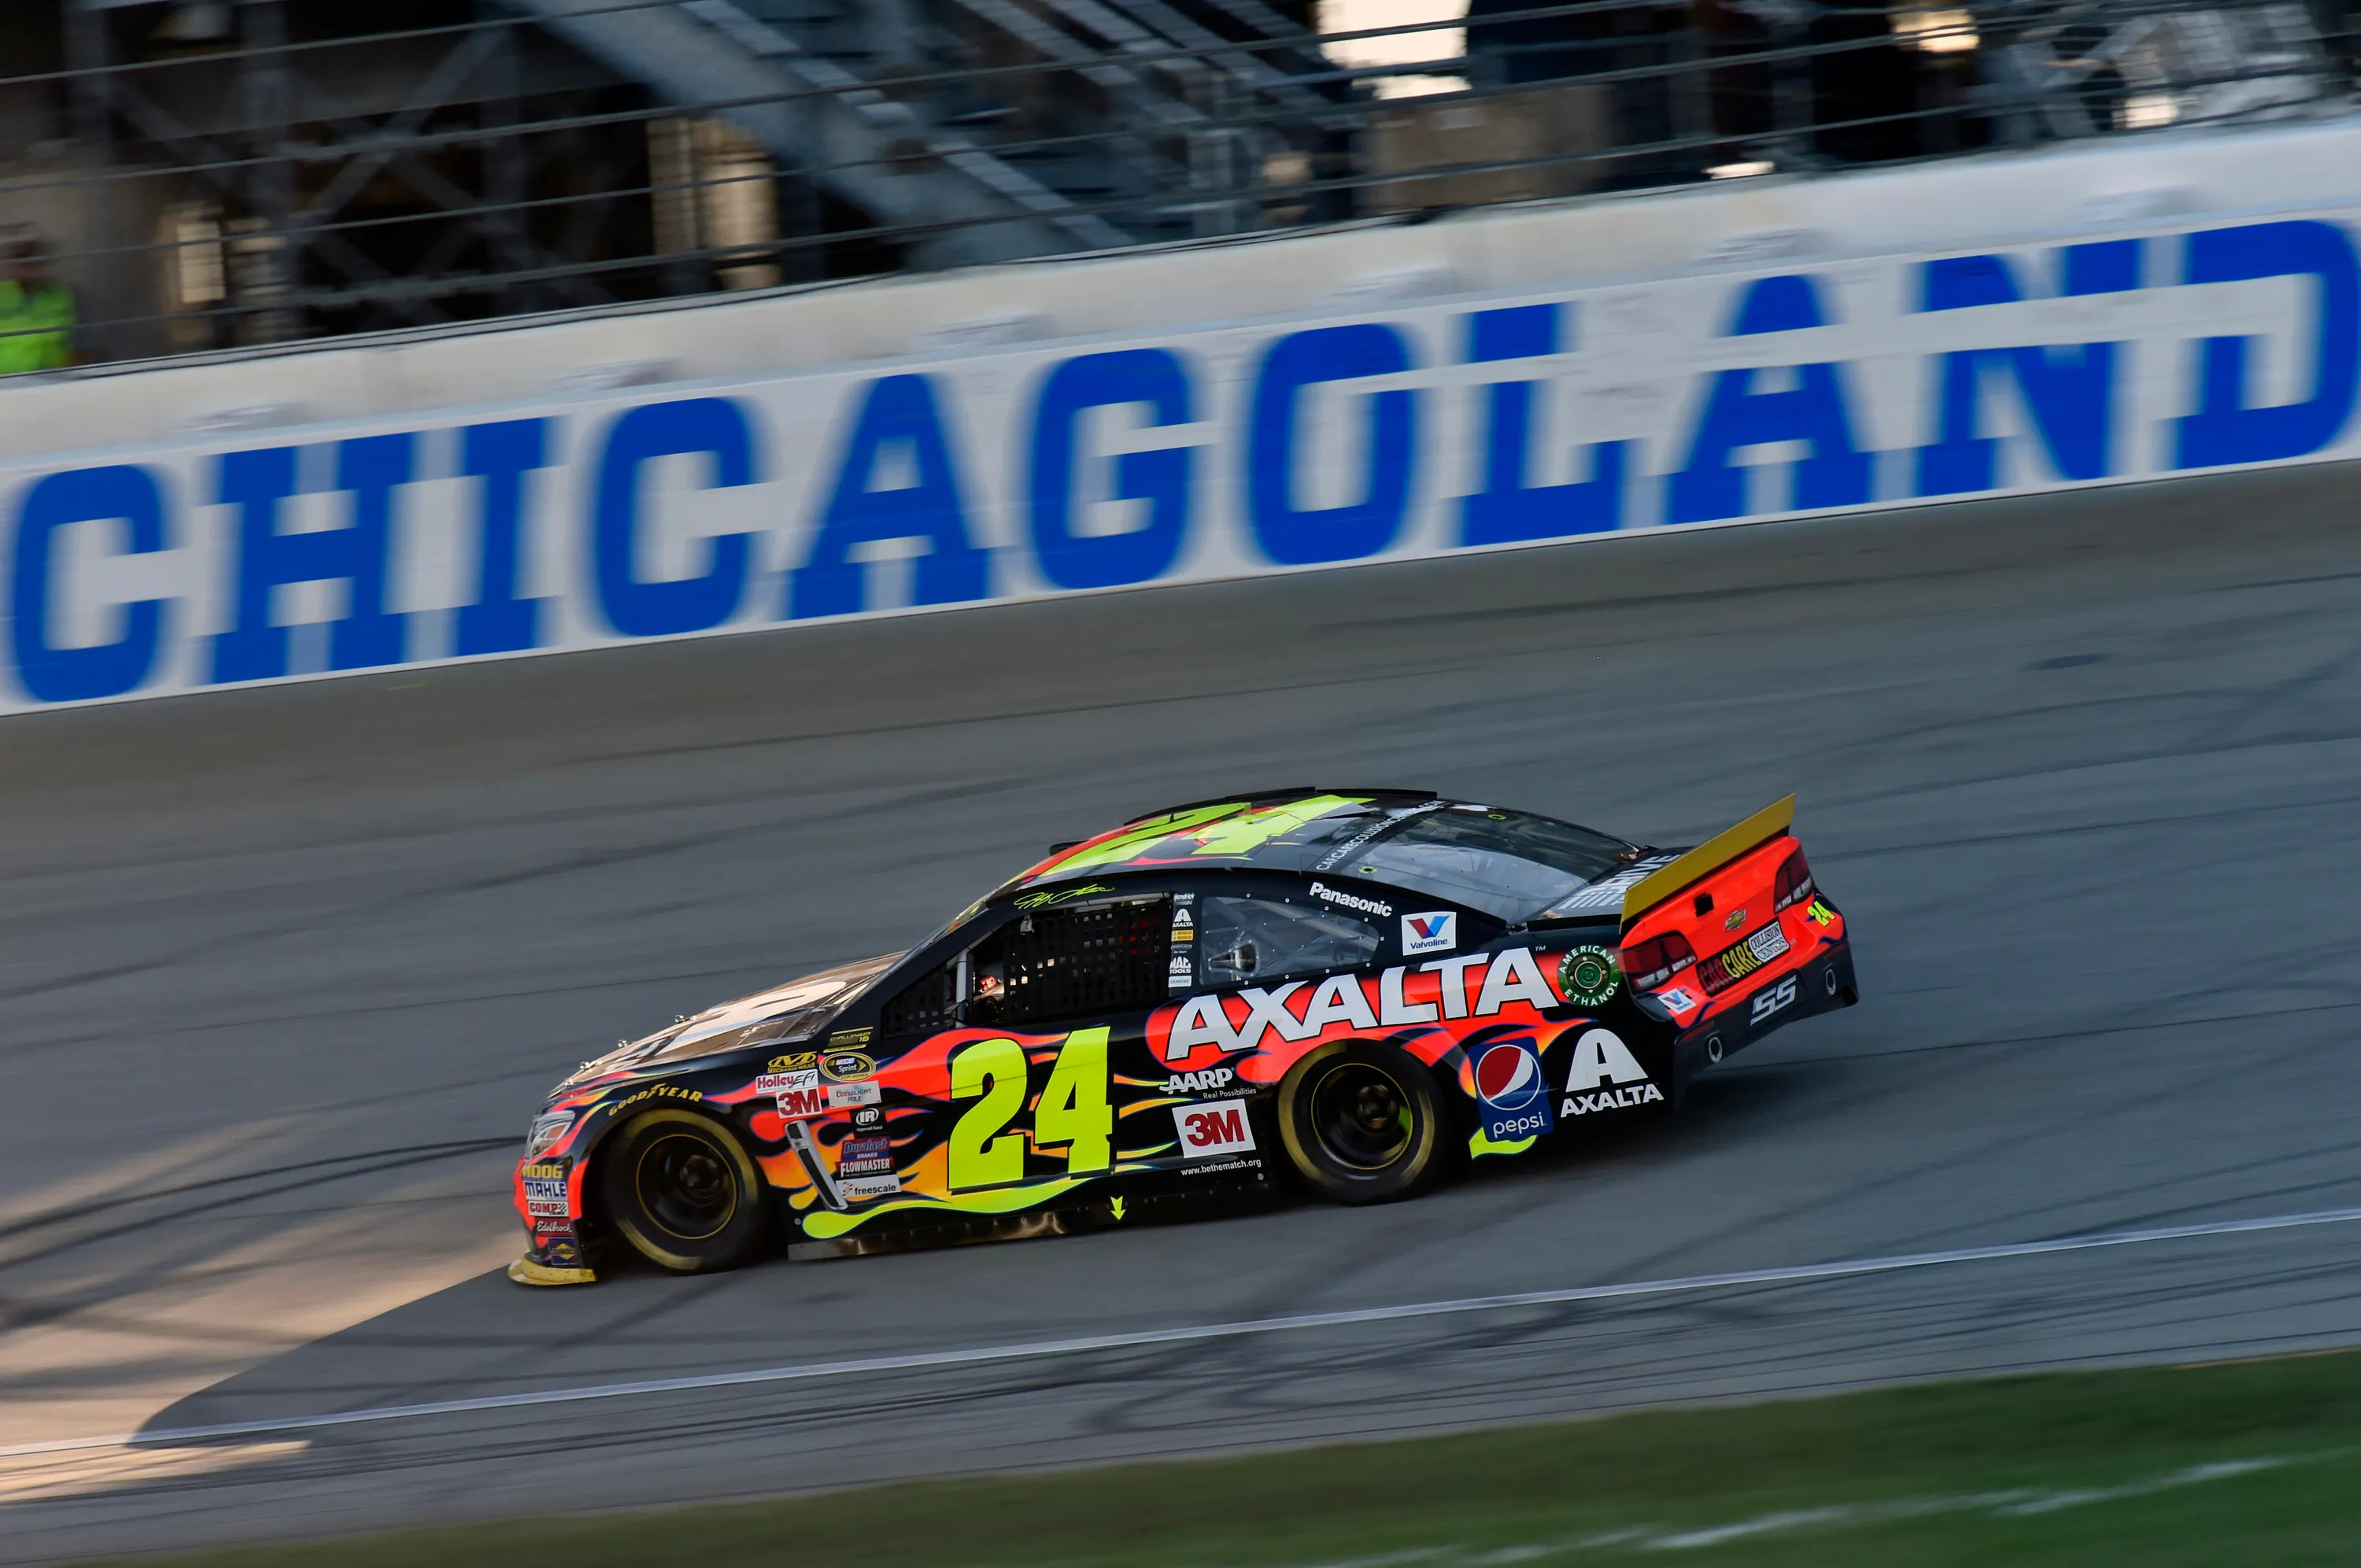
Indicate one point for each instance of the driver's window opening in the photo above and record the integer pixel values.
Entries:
(1088, 960)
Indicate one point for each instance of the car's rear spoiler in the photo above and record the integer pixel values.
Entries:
(1710, 856)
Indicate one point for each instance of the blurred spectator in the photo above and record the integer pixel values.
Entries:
(1635, 47)
(37, 313)
(1847, 68)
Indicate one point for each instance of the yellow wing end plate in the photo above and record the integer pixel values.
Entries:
(1710, 856)
(524, 1271)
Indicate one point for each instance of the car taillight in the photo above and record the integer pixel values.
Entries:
(1651, 963)
(1793, 882)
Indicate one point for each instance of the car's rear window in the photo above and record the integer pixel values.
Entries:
(1512, 865)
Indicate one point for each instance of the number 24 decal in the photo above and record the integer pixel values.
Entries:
(1073, 1110)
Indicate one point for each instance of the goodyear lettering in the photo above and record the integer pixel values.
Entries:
(660, 1092)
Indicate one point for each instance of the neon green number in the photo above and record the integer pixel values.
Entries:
(995, 1070)
(1075, 1108)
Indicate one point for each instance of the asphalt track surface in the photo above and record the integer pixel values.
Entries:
(282, 974)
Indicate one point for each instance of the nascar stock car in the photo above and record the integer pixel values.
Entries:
(1350, 989)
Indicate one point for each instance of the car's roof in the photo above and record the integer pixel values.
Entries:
(1283, 829)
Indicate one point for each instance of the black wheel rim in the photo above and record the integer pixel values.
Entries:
(1360, 1116)
(687, 1186)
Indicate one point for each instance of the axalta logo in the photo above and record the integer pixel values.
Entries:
(1350, 901)
(1611, 1100)
(1472, 985)
(1198, 1082)
(1600, 1057)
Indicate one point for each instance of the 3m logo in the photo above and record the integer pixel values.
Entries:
(799, 1102)
(1218, 1128)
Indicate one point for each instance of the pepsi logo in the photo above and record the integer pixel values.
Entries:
(1508, 1077)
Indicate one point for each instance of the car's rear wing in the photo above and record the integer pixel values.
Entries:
(1706, 858)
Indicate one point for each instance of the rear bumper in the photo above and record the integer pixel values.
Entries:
(1822, 982)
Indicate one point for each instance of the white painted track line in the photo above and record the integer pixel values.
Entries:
(1033, 1349)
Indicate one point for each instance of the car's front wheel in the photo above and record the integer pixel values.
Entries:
(1362, 1122)
(684, 1192)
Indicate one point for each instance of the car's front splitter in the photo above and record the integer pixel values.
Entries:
(527, 1270)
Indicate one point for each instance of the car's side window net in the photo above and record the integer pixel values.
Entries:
(1244, 941)
(1078, 963)
(1083, 961)
(926, 1005)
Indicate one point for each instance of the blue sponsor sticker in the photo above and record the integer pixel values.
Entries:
(1512, 1092)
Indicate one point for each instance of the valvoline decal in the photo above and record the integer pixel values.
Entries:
(1510, 1093)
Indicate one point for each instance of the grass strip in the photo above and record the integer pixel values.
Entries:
(2233, 1463)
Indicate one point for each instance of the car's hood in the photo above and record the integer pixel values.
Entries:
(794, 1011)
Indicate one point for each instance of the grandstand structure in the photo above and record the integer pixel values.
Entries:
(226, 175)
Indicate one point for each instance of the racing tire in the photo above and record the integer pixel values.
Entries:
(684, 1192)
(1362, 1122)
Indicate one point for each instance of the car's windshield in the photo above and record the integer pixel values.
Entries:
(1512, 865)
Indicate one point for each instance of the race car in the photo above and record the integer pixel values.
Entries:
(1349, 991)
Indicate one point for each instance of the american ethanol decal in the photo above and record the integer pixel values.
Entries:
(1225, 451)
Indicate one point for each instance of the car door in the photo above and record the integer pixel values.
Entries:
(1012, 1045)
(1274, 969)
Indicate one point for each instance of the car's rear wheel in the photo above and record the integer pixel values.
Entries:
(684, 1192)
(1362, 1122)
